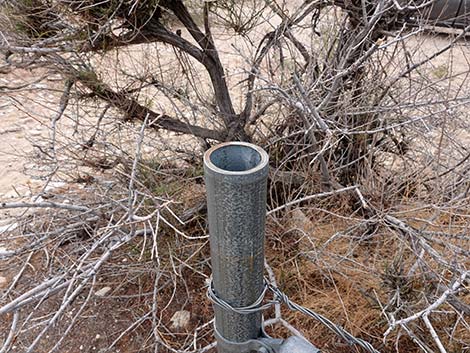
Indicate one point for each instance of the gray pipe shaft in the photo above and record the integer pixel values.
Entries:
(451, 12)
(236, 180)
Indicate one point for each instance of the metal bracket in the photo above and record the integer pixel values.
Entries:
(263, 344)
(266, 344)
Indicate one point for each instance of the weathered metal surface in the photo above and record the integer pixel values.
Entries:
(236, 181)
(297, 345)
(452, 13)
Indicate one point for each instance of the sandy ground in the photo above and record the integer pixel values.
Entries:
(23, 121)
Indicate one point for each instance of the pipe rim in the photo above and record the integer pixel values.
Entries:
(264, 159)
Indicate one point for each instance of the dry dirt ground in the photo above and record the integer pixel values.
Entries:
(20, 128)
(24, 126)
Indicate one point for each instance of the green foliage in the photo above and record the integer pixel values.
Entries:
(441, 71)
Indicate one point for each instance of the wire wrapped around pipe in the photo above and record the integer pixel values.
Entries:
(280, 297)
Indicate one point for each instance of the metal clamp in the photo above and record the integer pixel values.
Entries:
(266, 344)
(262, 344)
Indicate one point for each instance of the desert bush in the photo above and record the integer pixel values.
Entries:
(364, 119)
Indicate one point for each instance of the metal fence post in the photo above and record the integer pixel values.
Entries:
(236, 179)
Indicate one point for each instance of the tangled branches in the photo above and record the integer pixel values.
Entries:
(363, 111)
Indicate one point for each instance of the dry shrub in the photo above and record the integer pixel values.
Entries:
(364, 121)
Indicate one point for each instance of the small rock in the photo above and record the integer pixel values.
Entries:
(300, 221)
(3, 282)
(53, 185)
(180, 319)
(102, 292)
(98, 336)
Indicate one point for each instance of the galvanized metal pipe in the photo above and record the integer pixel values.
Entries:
(236, 181)
(452, 13)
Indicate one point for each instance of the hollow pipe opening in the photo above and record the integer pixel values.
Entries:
(235, 158)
